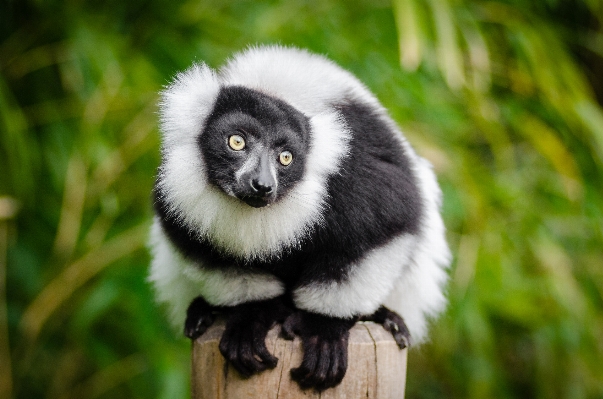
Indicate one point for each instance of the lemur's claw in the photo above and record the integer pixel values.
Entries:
(199, 318)
(394, 323)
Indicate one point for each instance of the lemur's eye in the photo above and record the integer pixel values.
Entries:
(236, 142)
(285, 158)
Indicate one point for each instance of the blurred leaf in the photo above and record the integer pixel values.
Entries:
(77, 274)
(408, 22)
(449, 53)
(592, 117)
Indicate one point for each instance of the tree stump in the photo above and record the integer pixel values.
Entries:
(376, 368)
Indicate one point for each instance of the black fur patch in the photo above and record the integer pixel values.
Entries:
(372, 199)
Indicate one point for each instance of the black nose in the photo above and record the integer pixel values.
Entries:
(261, 187)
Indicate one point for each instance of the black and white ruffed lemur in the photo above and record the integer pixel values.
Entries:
(287, 194)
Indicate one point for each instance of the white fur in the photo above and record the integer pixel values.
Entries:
(418, 294)
(178, 281)
(367, 286)
(307, 81)
(186, 104)
(407, 274)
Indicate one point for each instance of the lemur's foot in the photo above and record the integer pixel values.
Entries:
(243, 345)
(199, 317)
(392, 322)
(325, 345)
(243, 342)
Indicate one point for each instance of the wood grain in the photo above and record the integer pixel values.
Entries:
(376, 370)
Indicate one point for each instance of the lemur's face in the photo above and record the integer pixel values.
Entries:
(254, 146)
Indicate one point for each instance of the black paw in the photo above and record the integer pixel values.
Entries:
(394, 323)
(325, 345)
(243, 343)
(199, 316)
(244, 346)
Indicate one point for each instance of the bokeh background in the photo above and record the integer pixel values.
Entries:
(503, 96)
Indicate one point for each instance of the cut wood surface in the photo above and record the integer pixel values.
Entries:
(376, 368)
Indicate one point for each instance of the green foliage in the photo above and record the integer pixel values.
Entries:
(499, 95)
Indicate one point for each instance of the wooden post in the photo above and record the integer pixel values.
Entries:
(376, 369)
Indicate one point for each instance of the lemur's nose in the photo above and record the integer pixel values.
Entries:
(262, 181)
(261, 186)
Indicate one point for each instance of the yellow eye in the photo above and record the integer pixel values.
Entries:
(236, 142)
(285, 158)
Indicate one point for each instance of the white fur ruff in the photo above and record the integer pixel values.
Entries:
(235, 227)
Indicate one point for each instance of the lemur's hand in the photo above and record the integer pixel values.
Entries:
(325, 344)
(392, 322)
(243, 343)
(199, 317)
